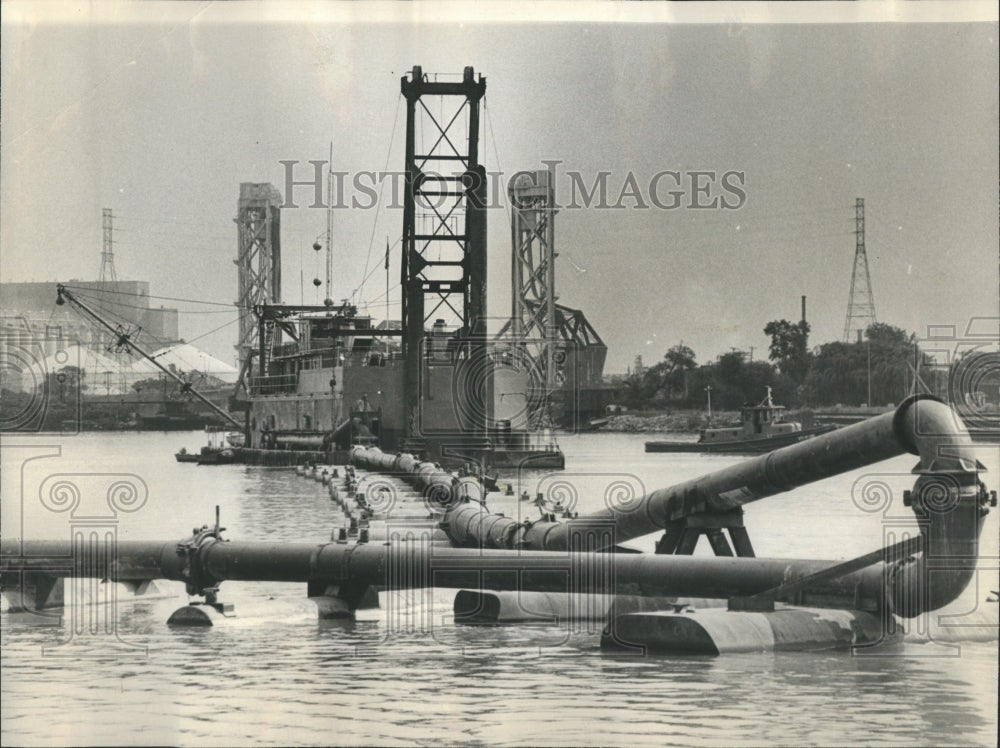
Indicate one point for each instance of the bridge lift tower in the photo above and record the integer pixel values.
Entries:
(258, 262)
(564, 350)
(532, 323)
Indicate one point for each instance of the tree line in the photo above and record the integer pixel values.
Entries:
(883, 368)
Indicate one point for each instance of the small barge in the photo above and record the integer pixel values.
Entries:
(214, 453)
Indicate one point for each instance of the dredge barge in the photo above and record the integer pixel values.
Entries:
(317, 380)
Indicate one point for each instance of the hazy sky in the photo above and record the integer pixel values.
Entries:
(161, 120)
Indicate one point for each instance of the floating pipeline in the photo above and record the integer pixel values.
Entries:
(948, 499)
(301, 447)
(441, 490)
(856, 618)
(835, 604)
(920, 425)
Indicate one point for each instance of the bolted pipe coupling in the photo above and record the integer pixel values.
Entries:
(950, 508)
(198, 580)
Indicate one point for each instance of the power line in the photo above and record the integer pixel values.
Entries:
(213, 330)
(496, 155)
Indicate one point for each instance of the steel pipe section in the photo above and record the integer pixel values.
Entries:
(911, 589)
(950, 504)
(441, 489)
(413, 566)
(920, 425)
(776, 472)
(463, 517)
(782, 470)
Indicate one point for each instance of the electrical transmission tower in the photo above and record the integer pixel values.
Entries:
(108, 274)
(861, 305)
(108, 278)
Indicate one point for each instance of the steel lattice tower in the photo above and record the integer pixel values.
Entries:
(861, 305)
(564, 350)
(533, 275)
(107, 277)
(443, 269)
(258, 260)
(108, 274)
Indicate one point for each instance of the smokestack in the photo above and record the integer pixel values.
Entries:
(803, 308)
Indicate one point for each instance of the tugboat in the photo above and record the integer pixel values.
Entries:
(761, 429)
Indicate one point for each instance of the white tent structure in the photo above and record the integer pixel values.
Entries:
(186, 360)
(110, 373)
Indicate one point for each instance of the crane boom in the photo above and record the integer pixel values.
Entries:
(124, 340)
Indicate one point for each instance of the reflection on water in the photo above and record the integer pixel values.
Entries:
(277, 675)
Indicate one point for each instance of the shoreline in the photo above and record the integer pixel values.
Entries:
(668, 422)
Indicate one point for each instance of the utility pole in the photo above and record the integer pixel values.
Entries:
(869, 373)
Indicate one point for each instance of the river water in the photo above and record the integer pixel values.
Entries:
(277, 675)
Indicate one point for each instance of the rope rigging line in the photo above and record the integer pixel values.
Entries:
(78, 289)
(378, 205)
(213, 330)
(373, 271)
(496, 155)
